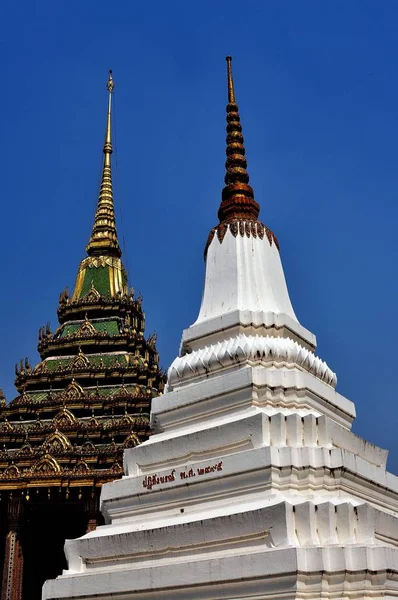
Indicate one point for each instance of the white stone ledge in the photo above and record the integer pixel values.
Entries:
(254, 430)
(252, 476)
(273, 526)
(348, 572)
(213, 329)
(247, 386)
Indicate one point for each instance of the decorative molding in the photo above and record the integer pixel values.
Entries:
(248, 228)
(57, 442)
(46, 465)
(248, 348)
(92, 295)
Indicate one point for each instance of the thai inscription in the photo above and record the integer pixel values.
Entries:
(151, 481)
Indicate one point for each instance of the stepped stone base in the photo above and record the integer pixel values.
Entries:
(259, 503)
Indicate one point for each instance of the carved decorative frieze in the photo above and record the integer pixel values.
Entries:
(243, 228)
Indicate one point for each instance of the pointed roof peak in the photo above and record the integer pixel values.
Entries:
(103, 239)
(237, 196)
(231, 89)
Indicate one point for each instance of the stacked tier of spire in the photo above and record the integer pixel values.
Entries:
(103, 238)
(237, 196)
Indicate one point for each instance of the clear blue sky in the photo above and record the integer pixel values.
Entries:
(316, 82)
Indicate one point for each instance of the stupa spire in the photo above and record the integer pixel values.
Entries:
(103, 240)
(237, 196)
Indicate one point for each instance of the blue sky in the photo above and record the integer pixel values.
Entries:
(316, 83)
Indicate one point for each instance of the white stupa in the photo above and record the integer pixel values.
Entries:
(252, 485)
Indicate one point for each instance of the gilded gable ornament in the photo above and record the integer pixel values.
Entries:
(81, 467)
(26, 449)
(73, 391)
(80, 361)
(131, 441)
(56, 442)
(65, 418)
(86, 329)
(6, 426)
(122, 392)
(126, 420)
(46, 465)
(40, 368)
(12, 471)
(92, 295)
(88, 447)
(116, 468)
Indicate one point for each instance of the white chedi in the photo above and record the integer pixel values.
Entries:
(253, 485)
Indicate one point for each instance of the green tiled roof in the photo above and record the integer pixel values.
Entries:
(99, 276)
(110, 326)
(104, 392)
(108, 360)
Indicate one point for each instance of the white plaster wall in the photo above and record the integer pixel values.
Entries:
(244, 274)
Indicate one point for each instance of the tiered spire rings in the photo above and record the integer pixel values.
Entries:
(103, 240)
(237, 196)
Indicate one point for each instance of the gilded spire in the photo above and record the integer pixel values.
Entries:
(103, 240)
(237, 196)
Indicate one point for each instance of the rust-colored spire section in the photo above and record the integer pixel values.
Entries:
(103, 240)
(237, 196)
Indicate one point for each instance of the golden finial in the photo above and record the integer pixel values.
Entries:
(231, 91)
(110, 84)
(103, 240)
(237, 196)
(108, 133)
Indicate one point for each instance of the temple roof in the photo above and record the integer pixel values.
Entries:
(88, 398)
(102, 270)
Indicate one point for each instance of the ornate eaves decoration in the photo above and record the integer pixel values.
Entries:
(92, 295)
(131, 441)
(111, 448)
(65, 418)
(249, 349)
(86, 329)
(72, 391)
(126, 420)
(12, 471)
(41, 368)
(254, 229)
(46, 465)
(26, 449)
(56, 442)
(122, 391)
(116, 468)
(93, 423)
(102, 261)
(80, 361)
(6, 426)
(88, 447)
(81, 467)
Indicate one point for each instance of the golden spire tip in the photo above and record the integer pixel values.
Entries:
(231, 92)
(110, 83)
(237, 196)
(103, 238)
